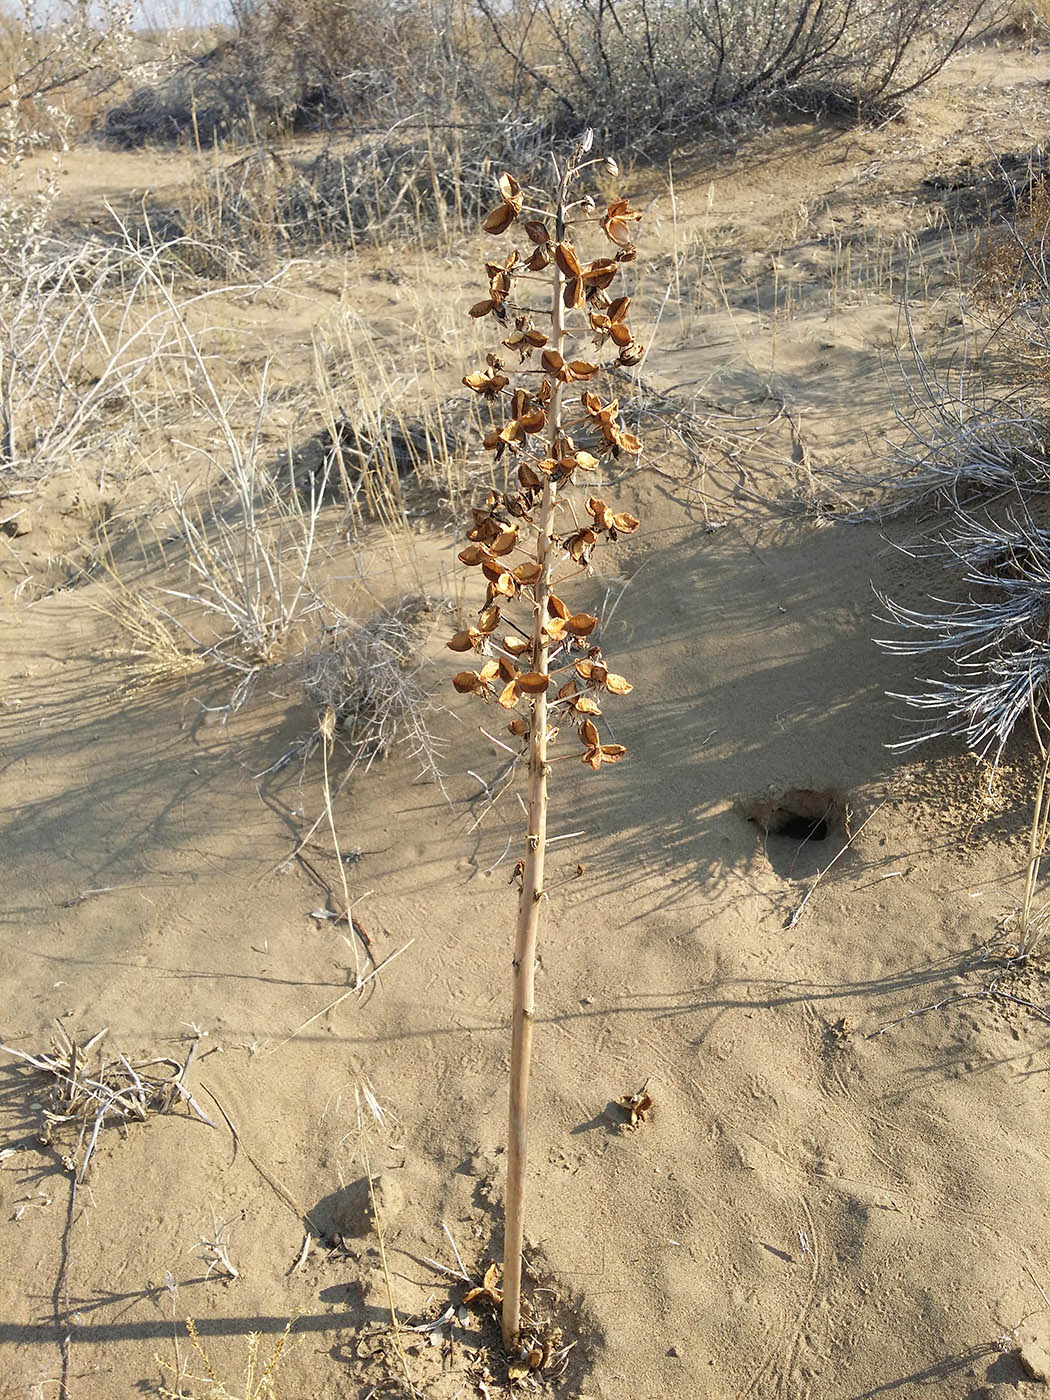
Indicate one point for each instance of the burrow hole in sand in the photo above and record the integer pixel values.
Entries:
(800, 814)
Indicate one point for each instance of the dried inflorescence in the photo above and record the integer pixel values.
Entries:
(529, 540)
(538, 656)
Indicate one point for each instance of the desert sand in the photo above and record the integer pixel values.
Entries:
(835, 1197)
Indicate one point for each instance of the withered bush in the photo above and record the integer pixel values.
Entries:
(645, 73)
(1011, 285)
(977, 459)
(287, 66)
(374, 188)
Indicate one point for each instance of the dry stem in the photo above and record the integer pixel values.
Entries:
(535, 850)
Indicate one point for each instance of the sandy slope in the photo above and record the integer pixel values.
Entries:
(815, 1211)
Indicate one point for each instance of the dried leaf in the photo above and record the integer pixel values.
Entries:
(503, 585)
(600, 274)
(625, 524)
(617, 222)
(557, 608)
(488, 618)
(565, 255)
(579, 544)
(581, 624)
(573, 296)
(589, 734)
(586, 705)
(489, 1290)
(505, 541)
(601, 512)
(488, 383)
(464, 641)
(482, 308)
(516, 645)
(537, 231)
(500, 219)
(637, 1107)
(593, 672)
(466, 682)
(528, 573)
(508, 696)
(504, 215)
(533, 682)
(511, 190)
(617, 684)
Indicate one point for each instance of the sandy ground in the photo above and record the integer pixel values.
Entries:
(828, 1201)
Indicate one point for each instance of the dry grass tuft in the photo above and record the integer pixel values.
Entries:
(154, 652)
(369, 677)
(260, 1377)
(82, 1090)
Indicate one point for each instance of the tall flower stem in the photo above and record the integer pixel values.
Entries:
(524, 965)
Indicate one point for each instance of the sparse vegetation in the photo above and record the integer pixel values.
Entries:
(456, 90)
(259, 1381)
(234, 453)
(975, 459)
(975, 456)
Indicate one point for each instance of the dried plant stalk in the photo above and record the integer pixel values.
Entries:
(540, 432)
(524, 997)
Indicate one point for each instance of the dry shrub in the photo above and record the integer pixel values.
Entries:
(370, 677)
(56, 62)
(81, 1089)
(643, 73)
(373, 189)
(205, 97)
(1028, 19)
(294, 66)
(976, 457)
(369, 189)
(1011, 286)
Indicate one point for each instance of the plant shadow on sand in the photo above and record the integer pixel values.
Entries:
(663, 829)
